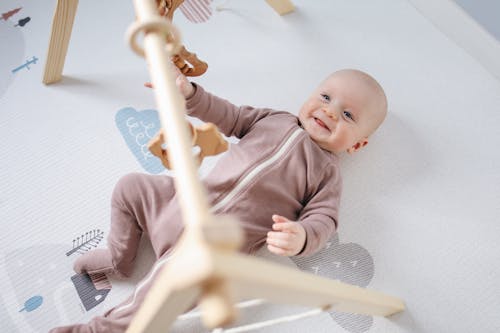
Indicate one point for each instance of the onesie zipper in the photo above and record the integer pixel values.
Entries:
(252, 174)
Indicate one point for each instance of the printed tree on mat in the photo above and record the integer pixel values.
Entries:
(22, 22)
(10, 13)
(86, 241)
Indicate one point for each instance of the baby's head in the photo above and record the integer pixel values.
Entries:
(345, 109)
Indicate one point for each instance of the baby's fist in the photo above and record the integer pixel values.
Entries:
(185, 87)
(183, 84)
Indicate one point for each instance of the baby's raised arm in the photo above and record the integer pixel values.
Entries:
(231, 120)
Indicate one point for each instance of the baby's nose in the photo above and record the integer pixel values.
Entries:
(330, 113)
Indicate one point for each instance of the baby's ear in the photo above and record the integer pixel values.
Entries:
(357, 146)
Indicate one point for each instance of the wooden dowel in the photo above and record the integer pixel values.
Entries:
(255, 278)
(171, 106)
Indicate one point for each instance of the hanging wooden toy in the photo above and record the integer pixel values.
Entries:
(206, 137)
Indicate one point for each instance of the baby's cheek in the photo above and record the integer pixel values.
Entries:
(343, 140)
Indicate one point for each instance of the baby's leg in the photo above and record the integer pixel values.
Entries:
(137, 201)
(118, 319)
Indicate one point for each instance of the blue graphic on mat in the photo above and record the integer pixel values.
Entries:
(137, 129)
(26, 64)
(32, 303)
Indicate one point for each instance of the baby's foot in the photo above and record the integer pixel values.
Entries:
(96, 261)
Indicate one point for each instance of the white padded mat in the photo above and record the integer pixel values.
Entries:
(420, 209)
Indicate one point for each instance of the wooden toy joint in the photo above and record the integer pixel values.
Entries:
(207, 137)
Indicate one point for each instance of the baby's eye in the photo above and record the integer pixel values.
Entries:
(325, 97)
(348, 115)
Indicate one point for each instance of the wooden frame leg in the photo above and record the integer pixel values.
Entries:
(62, 25)
(281, 7)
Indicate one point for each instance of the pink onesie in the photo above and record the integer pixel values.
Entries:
(275, 168)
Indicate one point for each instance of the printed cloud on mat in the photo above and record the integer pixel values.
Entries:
(137, 128)
(350, 263)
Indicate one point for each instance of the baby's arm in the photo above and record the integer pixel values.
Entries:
(319, 216)
(288, 237)
(231, 120)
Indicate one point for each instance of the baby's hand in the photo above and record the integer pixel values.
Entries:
(182, 83)
(288, 237)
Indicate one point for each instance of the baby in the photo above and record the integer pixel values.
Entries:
(281, 181)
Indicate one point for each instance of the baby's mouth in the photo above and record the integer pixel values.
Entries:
(321, 123)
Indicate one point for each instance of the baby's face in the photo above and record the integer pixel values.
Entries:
(343, 111)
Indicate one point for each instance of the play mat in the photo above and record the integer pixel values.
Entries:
(420, 208)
